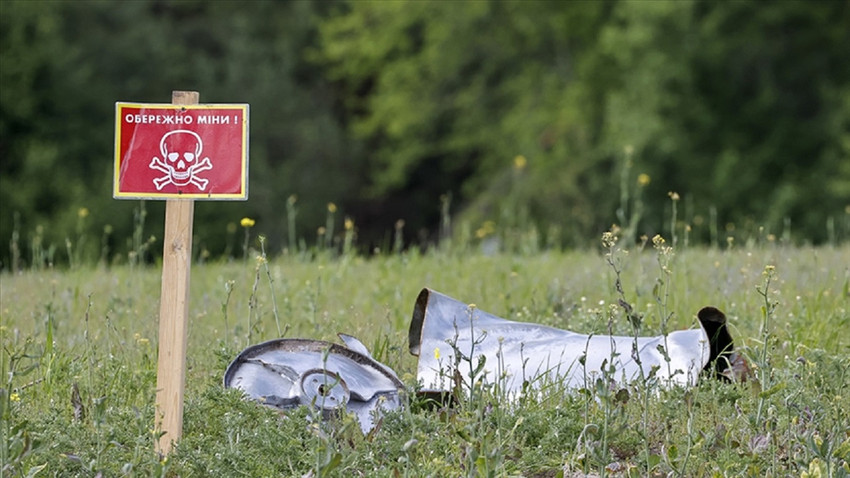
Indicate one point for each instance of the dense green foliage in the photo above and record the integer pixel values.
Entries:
(516, 113)
(78, 360)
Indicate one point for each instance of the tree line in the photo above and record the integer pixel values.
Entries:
(712, 118)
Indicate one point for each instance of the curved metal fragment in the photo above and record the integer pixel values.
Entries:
(445, 332)
(287, 373)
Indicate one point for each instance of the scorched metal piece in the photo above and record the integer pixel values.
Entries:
(445, 332)
(287, 373)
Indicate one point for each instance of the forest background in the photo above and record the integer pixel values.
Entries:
(487, 116)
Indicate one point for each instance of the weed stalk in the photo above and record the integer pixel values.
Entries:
(674, 199)
(767, 310)
(445, 220)
(139, 246)
(228, 290)
(14, 246)
(252, 301)
(665, 254)
(265, 262)
(609, 241)
(328, 233)
(291, 214)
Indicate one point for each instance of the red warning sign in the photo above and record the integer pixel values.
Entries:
(165, 151)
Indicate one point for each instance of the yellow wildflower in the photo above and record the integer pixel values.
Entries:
(82, 212)
(489, 227)
(520, 162)
(247, 222)
(643, 179)
(817, 468)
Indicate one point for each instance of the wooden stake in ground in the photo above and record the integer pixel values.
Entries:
(179, 152)
(174, 310)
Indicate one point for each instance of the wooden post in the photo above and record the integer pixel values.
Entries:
(174, 310)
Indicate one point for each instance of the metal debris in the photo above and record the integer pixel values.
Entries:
(445, 333)
(451, 339)
(287, 373)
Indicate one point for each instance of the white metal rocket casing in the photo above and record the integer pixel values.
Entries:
(516, 352)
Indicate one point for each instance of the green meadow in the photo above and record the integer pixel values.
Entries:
(476, 148)
(79, 361)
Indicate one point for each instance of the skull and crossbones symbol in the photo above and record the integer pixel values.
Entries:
(180, 151)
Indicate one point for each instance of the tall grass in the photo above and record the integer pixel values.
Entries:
(79, 359)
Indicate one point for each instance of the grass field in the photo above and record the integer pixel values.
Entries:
(79, 358)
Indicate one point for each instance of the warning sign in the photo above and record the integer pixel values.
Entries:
(165, 151)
